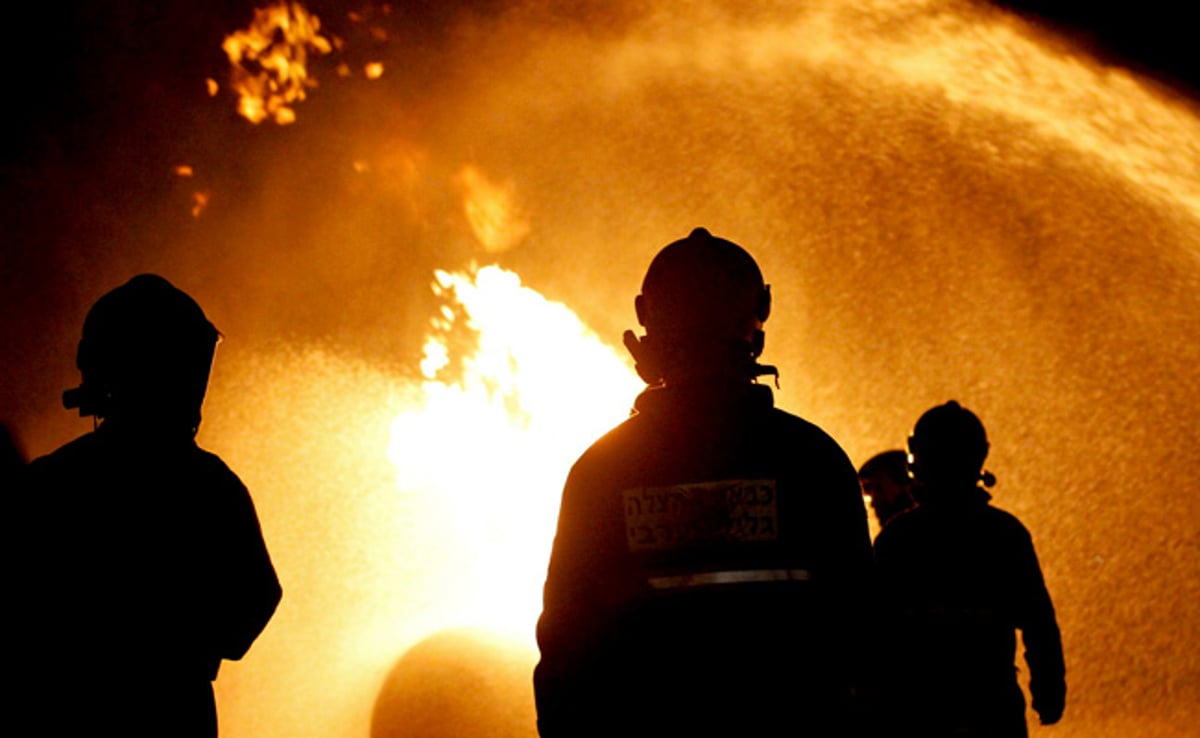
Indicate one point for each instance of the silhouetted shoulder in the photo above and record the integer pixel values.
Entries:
(92, 453)
(93, 476)
(215, 468)
(1005, 521)
(613, 441)
(813, 436)
(924, 524)
(77, 450)
(690, 417)
(60, 467)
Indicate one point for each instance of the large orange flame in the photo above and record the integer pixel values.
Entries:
(516, 387)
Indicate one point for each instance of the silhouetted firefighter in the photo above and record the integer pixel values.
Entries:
(961, 577)
(884, 478)
(712, 553)
(140, 563)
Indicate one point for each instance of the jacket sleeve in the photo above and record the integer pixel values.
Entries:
(567, 623)
(247, 590)
(1043, 642)
(585, 592)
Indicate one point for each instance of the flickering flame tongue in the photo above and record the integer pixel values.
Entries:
(516, 388)
(270, 60)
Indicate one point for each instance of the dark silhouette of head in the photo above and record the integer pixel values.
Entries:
(703, 304)
(947, 448)
(145, 357)
(884, 479)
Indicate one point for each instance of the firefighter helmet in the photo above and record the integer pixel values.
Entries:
(704, 287)
(948, 446)
(146, 347)
(702, 298)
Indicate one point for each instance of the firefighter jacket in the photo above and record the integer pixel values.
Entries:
(710, 563)
(958, 578)
(141, 565)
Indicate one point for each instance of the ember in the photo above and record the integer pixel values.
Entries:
(270, 59)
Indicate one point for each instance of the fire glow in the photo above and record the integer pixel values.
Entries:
(513, 386)
(530, 389)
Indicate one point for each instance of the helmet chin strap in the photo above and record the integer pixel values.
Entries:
(764, 370)
(761, 370)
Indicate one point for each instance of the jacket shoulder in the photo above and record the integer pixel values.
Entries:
(916, 524)
(215, 466)
(1006, 524)
(628, 433)
(794, 426)
(71, 457)
(82, 446)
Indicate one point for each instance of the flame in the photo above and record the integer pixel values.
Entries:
(200, 201)
(492, 211)
(270, 60)
(374, 70)
(515, 388)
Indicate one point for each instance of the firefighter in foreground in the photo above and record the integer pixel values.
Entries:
(960, 577)
(139, 560)
(712, 554)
